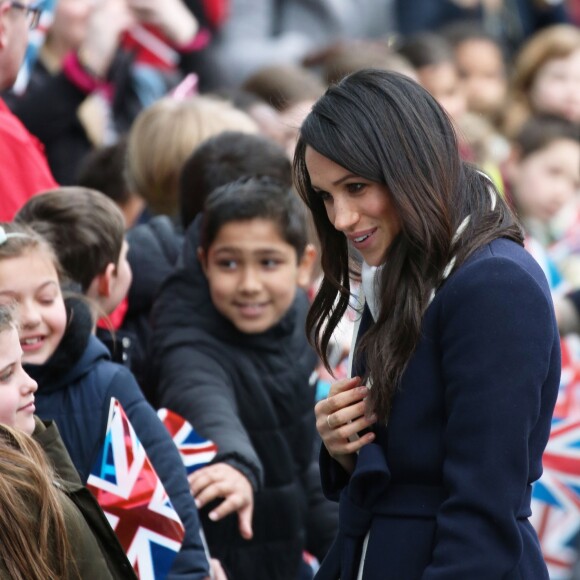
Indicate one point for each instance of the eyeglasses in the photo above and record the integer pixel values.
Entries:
(32, 12)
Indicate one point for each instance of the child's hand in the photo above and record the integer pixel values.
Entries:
(340, 417)
(172, 17)
(108, 20)
(222, 480)
(217, 571)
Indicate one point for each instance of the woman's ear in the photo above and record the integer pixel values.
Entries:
(306, 267)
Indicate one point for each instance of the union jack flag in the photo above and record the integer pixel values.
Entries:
(134, 500)
(194, 449)
(556, 495)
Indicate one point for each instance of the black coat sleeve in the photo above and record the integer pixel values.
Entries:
(196, 386)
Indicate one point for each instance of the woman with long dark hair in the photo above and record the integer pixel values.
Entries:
(433, 444)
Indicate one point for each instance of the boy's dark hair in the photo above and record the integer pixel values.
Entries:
(104, 170)
(225, 158)
(541, 130)
(85, 228)
(255, 198)
(426, 49)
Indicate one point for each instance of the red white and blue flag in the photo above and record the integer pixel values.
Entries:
(556, 495)
(556, 499)
(195, 450)
(134, 500)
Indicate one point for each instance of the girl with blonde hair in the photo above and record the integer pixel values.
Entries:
(165, 134)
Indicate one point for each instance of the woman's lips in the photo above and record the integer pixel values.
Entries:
(363, 239)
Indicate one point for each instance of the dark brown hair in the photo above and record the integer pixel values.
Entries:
(224, 158)
(250, 198)
(386, 128)
(540, 131)
(85, 228)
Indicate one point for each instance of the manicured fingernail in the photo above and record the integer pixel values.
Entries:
(213, 516)
(197, 504)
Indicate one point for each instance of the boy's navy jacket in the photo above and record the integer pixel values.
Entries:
(75, 388)
(154, 248)
(445, 488)
(251, 394)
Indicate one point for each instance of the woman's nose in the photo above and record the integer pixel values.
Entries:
(345, 216)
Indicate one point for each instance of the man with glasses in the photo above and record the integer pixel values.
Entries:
(23, 166)
(32, 12)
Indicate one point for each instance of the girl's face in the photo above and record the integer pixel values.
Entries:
(16, 387)
(547, 180)
(31, 283)
(482, 73)
(361, 209)
(556, 87)
(442, 81)
(253, 274)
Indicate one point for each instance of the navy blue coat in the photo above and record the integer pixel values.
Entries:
(445, 488)
(78, 400)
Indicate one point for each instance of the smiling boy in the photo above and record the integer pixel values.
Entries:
(230, 355)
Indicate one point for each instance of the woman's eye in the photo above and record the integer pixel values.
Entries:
(5, 376)
(46, 301)
(227, 264)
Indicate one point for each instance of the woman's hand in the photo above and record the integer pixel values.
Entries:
(222, 480)
(340, 417)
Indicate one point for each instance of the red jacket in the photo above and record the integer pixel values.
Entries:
(24, 170)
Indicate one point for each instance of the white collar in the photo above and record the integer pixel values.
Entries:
(370, 285)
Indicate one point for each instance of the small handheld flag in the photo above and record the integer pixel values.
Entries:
(194, 449)
(134, 499)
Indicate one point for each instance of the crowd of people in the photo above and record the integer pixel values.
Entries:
(340, 239)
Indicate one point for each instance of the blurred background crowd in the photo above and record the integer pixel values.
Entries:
(155, 103)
